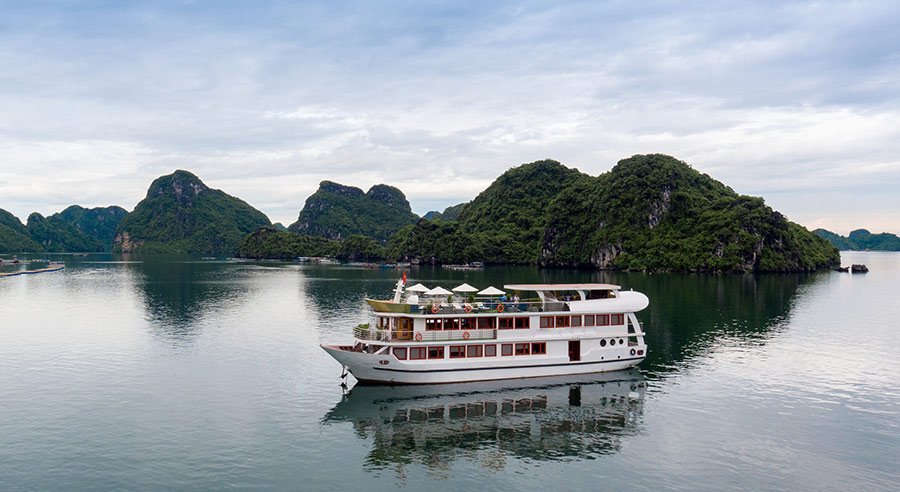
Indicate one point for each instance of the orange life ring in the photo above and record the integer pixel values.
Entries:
(465, 335)
(418, 337)
(435, 309)
(499, 308)
(468, 308)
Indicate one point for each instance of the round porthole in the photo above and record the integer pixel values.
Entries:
(602, 343)
(621, 341)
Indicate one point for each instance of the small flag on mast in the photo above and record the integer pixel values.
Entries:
(404, 278)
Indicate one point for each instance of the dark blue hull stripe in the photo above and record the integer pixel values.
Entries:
(505, 367)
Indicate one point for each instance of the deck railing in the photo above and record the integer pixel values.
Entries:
(426, 336)
(444, 309)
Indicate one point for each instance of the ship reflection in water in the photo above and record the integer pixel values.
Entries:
(559, 418)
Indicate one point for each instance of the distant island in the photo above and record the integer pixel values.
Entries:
(650, 212)
(861, 240)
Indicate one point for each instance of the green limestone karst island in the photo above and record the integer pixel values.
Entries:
(180, 214)
(336, 211)
(650, 212)
(861, 240)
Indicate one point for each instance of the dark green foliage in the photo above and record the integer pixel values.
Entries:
(77, 229)
(182, 215)
(267, 242)
(511, 215)
(865, 240)
(433, 241)
(14, 237)
(503, 224)
(278, 226)
(450, 213)
(655, 212)
(336, 211)
(861, 240)
(360, 248)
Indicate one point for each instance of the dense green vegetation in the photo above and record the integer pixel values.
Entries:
(504, 224)
(336, 211)
(77, 229)
(267, 242)
(655, 212)
(182, 215)
(650, 212)
(450, 213)
(861, 240)
(14, 237)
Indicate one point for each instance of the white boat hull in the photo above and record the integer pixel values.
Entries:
(385, 369)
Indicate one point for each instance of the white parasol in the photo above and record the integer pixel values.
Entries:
(491, 291)
(464, 288)
(417, 288)
(439, 291)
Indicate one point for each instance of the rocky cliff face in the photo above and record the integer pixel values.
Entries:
(336, 211)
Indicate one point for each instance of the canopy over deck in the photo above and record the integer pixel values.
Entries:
(561, 287)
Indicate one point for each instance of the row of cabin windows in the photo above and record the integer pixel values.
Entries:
(579, 321)
(464, 351)
(484, 323)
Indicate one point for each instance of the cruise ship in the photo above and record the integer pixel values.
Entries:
(428, 336)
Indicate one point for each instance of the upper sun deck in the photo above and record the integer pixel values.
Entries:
(551, 298)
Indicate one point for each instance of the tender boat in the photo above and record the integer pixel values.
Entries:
(435, 338)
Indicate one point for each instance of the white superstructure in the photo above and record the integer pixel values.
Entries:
(565, 329)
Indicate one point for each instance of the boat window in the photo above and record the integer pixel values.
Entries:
(598, 294)
(522, 323)
(588, 320)
(506, 349)
(603, 342)
(382, 322)
(417, 353)
(457, 351)
(546, 321)
(523, 349)
(487, 323)
(576, 320)
(473, 351)
(506, 323)
(621, 341)
(539, 348)
(602, 320)
(435, 352)
(451, 323)
(432, 324)
(400, 353)
(562, 321)
(490, 350)
(467, 323)
(617, 319)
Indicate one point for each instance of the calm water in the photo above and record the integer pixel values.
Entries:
(179, 373)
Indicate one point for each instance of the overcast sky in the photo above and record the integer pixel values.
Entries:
(796, 102)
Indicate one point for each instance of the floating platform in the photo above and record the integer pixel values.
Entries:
(53, 268)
